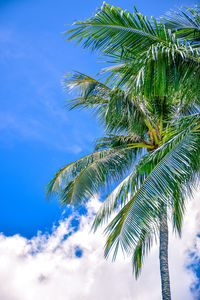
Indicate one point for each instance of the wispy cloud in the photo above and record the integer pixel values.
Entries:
(50, 266)
(59, 134)
(32, 98)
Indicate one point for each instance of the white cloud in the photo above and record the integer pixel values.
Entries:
(47, 268)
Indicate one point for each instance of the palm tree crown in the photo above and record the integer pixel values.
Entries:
(149, 106)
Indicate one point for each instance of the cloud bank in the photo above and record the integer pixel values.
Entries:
(69, 265)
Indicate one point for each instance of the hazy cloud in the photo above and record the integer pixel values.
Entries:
(32, 100)
(48, 266)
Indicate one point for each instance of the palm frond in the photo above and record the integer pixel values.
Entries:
(185, 23)
(142, 248)
(116, 141)
(78, 181)
(159, 71)
(171, 166)
(112, 28)
(114, 107)
(151, 53)
(178, 208)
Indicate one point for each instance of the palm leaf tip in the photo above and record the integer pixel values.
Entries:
(140, 251)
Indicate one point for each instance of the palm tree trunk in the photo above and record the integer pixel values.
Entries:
(163, 256)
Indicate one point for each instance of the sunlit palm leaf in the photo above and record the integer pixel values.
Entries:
(78, 181)
(141, 250)
(115, 108)
(185, 23)
(175, 168)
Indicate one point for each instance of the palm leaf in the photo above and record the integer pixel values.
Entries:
(174, 168)
(112, 27)
(143, 247)
(78, 181)
(114, 107)
(185, 23)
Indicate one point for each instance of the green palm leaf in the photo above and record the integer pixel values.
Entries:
(78, 181)
(144, 245)
(173, 169)
(115, 108)
(185, 23)
(111, 27)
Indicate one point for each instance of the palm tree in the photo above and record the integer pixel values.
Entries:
(152, 127)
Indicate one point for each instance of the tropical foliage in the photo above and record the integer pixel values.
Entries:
(148, 102)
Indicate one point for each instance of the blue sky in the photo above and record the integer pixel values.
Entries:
(37, 136)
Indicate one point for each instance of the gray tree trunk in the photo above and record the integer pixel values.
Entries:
(163, 256)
